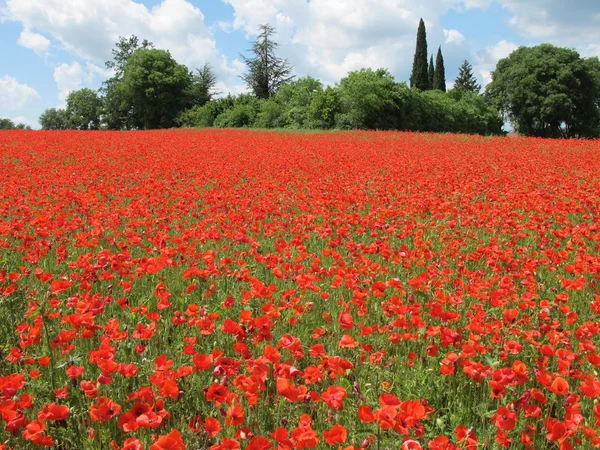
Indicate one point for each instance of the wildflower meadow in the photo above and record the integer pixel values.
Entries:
(236, 289)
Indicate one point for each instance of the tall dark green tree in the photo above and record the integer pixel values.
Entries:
(266, 72)
(439, 77)
(420, 78)
(466, 81)
(548, 91)
(431, 72)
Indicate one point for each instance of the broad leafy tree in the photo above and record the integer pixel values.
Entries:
(54, 119)
(83, 109)
(266, 72)
(115, 113)
(153, 89)
(548, 91)
(369, 100)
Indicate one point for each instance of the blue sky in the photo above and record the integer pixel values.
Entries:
(51, 47)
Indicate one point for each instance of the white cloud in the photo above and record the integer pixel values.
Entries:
(591, 50)
(327, 38)
(560, 21)
(69, 77)
(90, 28)
(481, 4)
(33, 41)
(15, 95)
(94, 71)
(486, 59)
(454, 37)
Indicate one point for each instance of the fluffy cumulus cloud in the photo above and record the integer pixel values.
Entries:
(454, 37)
(324, 38)
(33, 41)
(486, 59)
(74, 76)
(328, 38)
(89, 29)
(68, 77)
(15, 95)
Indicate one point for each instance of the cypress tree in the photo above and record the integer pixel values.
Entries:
(419, 77)
(430, 72)
(439, 77)
(466, 81)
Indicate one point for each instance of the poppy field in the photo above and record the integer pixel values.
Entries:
(235, 289)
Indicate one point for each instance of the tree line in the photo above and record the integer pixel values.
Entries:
(7, 124)
(542, 91)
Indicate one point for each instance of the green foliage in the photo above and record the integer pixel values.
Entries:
(202, 87)
(431, 72)
(324, 106)
(295, 98)
(272, 114)
(116, 114)
(419, 77)
(466, 81)
(548, 91)
(369, 100)
(204, 116)
(450, 112)
(266, 72)
(122, 51)
(439, 76)
(54, 119)
(243, 113)
(365, 99)
(153, 88)
(150, 90)
(7, 124)
(83, 109)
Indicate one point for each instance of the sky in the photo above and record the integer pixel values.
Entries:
(51, 47)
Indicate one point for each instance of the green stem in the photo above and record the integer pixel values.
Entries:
(49, 354)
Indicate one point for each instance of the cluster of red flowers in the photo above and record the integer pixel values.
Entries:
(253, 290)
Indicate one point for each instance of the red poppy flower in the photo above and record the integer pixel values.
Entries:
(259, 443)
(335, 435)
(171, 441)
(54, 412)
(504, 418)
